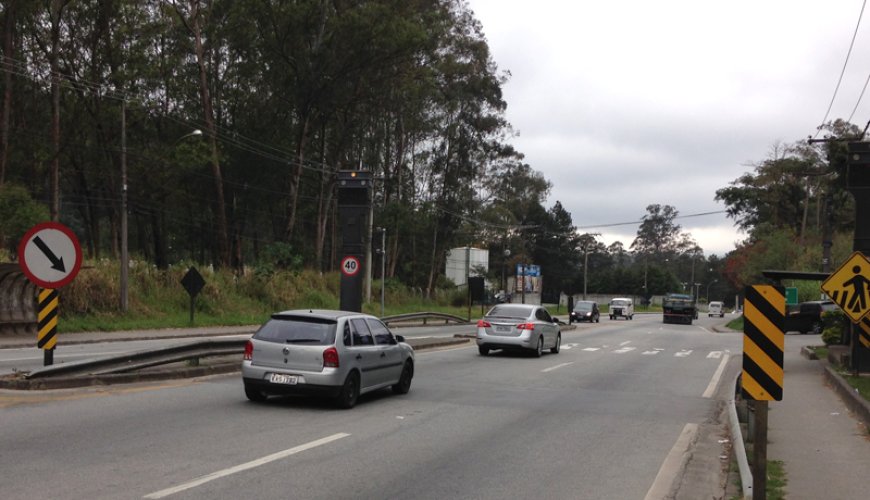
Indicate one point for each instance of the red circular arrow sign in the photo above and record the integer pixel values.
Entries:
(50, 255)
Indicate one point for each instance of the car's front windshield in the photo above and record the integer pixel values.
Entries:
(583, 307)
(621, 303)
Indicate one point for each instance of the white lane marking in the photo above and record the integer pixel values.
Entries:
(714, 382)
(654, 351)
(624, 350)
(626, 342)
(714, 355)
(673, 464)
(591, 348)
(683, 353)
(556, 367)
(245, 466)
(569, 345)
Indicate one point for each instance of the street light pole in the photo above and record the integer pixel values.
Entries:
(125, 257)
(585, 268)
(124, 249)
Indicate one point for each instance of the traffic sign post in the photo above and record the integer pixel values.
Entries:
(762, 377)
(50, 256)
(858, 183)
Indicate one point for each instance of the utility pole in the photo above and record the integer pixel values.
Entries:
(125, 259)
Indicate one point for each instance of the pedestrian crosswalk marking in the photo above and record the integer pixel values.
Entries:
(652, 352)
(624, 350)
(714, 355)
(683, 353)
(591, 348)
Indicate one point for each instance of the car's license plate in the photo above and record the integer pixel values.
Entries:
(502, 328)
(280, 378)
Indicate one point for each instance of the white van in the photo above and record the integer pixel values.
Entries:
(716, 309)
(621, 307)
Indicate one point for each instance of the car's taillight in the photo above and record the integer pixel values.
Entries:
(526, 326)
(483, 324)
(330, 358)
(249, 351)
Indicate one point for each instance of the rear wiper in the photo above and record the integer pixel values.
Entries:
(295, 341)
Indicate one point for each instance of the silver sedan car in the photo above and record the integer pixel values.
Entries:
(518, 326)
(337, 353)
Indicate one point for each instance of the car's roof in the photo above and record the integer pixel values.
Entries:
(585, 302)
(319, 313)
(621, 298)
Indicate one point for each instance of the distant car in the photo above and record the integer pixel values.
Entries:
(585, 310)
(525, 327)
(807, 318)
(335, 353)
(716, 309)
(621, 307)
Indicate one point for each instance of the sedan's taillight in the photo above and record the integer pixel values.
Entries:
(483, 324)
(526, 326)
(249, 351)
(330, 358)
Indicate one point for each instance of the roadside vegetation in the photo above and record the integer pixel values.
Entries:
(157, 299)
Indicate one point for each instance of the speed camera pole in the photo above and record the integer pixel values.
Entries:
(354, 200)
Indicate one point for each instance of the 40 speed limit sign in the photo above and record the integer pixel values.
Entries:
(350, 266)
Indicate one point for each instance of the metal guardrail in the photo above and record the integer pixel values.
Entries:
(424, 316)
(124, 363)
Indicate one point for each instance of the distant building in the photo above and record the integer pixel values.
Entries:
(463, 261)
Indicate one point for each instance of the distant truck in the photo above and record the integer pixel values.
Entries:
(678, 308)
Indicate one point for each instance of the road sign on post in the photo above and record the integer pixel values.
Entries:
(354, 202)
(193, 283)
(762, 378)
(791, 296)
(848, 286)
(50, 255)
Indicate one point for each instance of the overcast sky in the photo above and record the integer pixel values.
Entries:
(626, 103)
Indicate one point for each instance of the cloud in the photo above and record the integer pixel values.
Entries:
(629, 103)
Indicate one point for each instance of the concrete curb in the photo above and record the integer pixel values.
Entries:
(854, 401)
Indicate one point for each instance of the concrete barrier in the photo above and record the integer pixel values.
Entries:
(17, 301)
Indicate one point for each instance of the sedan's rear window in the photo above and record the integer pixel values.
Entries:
(506, 311)
(303, 331)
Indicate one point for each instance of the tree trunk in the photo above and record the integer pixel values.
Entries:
(54, 172)
(8, 52)
(223, 246)
(296, 178)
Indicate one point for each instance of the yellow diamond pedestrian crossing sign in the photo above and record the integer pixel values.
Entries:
(849, 286)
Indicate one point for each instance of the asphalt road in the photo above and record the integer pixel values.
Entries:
(602, 419)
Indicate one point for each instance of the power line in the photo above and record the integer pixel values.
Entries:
(632, 223)
(843, 71)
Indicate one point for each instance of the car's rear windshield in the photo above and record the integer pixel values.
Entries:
(295, 330)
(508, 311)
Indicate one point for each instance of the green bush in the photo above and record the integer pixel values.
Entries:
(834, 325)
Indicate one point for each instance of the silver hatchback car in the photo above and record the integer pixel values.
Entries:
(337, 353)
(518, 326)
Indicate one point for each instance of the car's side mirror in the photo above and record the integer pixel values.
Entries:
(400, 338)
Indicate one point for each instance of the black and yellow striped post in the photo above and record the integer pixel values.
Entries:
(46, 336)
(763, 346)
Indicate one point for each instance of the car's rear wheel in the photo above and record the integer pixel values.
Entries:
(404, 384)
(555, 348)
(484, 351)
(540, 349)
(254, 394)
(349, 392)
